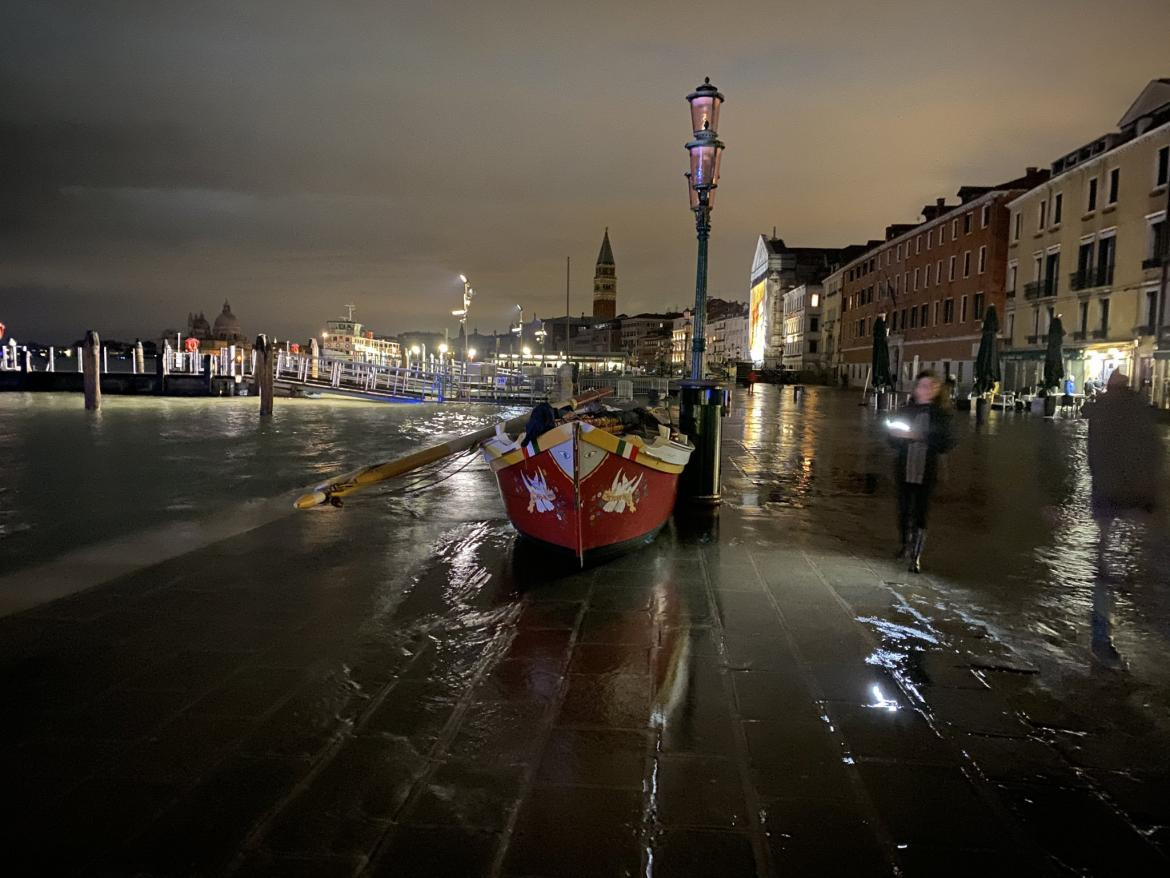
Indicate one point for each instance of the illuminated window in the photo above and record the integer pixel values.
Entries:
(815, 300)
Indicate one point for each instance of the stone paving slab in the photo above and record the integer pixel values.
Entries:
(734, 700)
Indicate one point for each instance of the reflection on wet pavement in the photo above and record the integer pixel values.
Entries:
(370, 691)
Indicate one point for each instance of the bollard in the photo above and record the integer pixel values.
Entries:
(52, 359)
(26, 362)
(701, 419)
(262, 372)
(139, 357)
(80, 350)
(91, 371)
(105, 359)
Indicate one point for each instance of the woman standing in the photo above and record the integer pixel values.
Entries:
(920, 433)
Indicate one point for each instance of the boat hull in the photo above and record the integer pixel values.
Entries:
(586, 491)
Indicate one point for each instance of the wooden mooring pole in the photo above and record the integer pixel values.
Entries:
(263, 372)
(91, 368)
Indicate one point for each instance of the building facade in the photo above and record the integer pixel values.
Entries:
(1088, 246)
(605, 282)
(932, 282)
(776, 269)
(831, 323)
(727, 339)
(802, 328)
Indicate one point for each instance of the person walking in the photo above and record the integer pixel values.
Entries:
(920, 433)
(752, 377)
(1125, 462)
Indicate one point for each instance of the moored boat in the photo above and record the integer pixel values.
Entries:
(581, 488)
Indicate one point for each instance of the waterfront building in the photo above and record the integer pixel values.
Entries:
(605, 282)
(830, 324)
(932, 282)
(1088, 245)
(682, 332)
(346, 339)
(225, 332)
(802, 328)
(776, 269)
(727, 336)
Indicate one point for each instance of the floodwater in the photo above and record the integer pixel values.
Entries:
(71, 478)
(396, 687)
(1012, 546)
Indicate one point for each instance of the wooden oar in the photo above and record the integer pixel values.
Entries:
(333, 490)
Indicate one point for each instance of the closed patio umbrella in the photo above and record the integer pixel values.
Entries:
(881, 355)
(987, 360)
(1054, 356)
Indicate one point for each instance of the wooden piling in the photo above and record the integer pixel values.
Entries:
(91, 371)
(263, 373)
(314, 353)
(139, 357)
(52, 359)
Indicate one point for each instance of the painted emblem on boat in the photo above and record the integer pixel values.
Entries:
(621, 493)
(540, 495)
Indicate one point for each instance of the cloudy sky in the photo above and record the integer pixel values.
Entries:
(294, 156)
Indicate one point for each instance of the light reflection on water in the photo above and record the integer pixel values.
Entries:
(1012, 547)
(71, 478)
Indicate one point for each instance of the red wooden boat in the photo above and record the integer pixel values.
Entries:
(580, 488)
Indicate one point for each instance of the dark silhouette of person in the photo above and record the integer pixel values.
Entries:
(920, 432)
(1126, 463)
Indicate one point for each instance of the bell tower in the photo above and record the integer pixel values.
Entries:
(605, 283)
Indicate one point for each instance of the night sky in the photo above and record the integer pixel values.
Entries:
(291, 156)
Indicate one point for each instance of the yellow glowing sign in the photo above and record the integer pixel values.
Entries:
(758, 321)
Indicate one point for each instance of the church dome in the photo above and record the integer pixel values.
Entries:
(197, 326)
(227, 324)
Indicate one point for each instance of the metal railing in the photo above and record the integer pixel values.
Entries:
(454, 381)
(1040, 289)
(1094, 276)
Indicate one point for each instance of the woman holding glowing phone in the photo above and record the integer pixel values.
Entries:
(920, 432)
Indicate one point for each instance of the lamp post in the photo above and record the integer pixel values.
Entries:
(701, 402)
(461, 313)
(706, 152)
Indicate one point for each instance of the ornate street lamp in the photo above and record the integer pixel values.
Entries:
(706, 151)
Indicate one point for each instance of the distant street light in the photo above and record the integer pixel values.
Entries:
(520, 326)
(461, 313)
(706, 153)
(471, 353)
(443, 348)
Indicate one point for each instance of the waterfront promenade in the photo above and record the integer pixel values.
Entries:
(397, 688)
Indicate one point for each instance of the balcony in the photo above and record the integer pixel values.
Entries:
(1040, 289)
(1088, 278)
(1152, 262)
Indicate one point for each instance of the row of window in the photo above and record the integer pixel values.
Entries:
(1095, 259)
(896, 253)
(1113, 191)
(918, 316)
(909, 281)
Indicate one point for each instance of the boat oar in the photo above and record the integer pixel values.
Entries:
(333, 490)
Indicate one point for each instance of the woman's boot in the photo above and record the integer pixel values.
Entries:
(919, 540)
(904, 552)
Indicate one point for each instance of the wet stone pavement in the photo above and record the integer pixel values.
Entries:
(401, 688)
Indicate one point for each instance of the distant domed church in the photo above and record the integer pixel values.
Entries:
(227, 326)
(225, 331)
